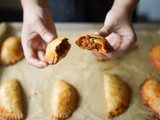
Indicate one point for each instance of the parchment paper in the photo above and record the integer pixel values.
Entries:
(82, 70)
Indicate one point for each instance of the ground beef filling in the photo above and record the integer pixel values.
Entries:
(88, 43)
(63, 48)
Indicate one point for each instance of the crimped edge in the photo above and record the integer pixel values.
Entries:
(5, 115)
(149, 108)
(151, 58)
(122, 108)
(11, 62)
(70, 110)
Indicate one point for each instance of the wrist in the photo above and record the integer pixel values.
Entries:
(126, 6)
(122, 11)
(34, 3)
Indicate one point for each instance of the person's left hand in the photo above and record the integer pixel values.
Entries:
(119, 31)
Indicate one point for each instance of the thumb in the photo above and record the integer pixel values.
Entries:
(45, 33)
(104, 31)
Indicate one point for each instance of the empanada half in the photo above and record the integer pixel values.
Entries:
(64, 100)
(11, 51)
(150, 93)
(117, 95)
(56, 50)
(155, 56)
(94, 43)
(10, 100)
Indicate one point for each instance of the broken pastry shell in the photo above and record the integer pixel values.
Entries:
(150, 94)
(94, 43)
(56, 50)
(64, 100)
(10, 100)
(11, 51)
(155, 56)
(117, 95)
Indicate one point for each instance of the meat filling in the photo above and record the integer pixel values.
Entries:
(63, 48)
(88, 43)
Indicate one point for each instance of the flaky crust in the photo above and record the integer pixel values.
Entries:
(64, 100)
(56, 50)
(155, 56)
(117, 95)
(150, 93)
(10, 100)
(11, 51)
(100, 44)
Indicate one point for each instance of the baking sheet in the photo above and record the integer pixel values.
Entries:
(82, 70)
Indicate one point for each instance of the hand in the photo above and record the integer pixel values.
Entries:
(38, 29)
(119, 31)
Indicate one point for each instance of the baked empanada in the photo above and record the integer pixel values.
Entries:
(10, 100)
(155, 56)
(64, 100)
(94, 43)
(117, 95)
(56, 50)
(150, 93)
(11, 51)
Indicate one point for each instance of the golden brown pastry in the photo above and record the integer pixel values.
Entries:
(56, 50)
(150, 93)
(117, 95)
(10, 100)
(155, 56)
(64, 100)
(11, 51)
(94, 43)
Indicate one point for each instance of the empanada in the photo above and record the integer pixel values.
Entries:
(94, 43)
(64, 100)
(10, 100)
(155, 56)
(150, 93)
(11, 51)
(56, 50)
(117, 95)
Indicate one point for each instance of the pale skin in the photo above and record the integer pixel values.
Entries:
(39, 29)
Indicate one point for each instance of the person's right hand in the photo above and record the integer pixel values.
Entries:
(38, 29)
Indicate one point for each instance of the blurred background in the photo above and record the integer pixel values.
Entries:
(147, 11)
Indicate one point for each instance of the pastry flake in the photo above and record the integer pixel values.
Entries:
(64, 100)
(155, 56)
(150, 93)
(10, 100)
(94, 43)
(56, 50)
(117, 95)
(11, 51)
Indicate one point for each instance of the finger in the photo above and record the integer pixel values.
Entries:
(112, 55)
(52, 27)
(114, 40)
(41, 55)
(33, 60)
(31, 56)
(104, 31)
(37, 63)
(45, 34)
(36, 42)
(126, 43)
(102, 56)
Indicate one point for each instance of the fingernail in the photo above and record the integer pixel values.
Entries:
(49, 37)
(96, 33)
